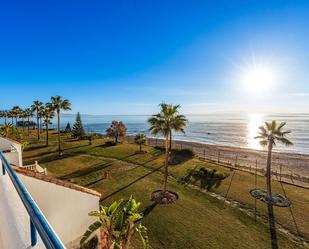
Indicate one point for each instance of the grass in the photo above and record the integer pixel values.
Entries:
(197, 220)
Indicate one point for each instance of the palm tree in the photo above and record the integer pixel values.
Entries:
(167, 120)
(47, 114)
(58, 104)
(36, 108)
(17, 112)
(269, 135)
(120, 220)
(5, 115)
(28, 115)
(140, 139)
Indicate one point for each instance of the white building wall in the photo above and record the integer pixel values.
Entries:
(65, 209)
(14, 219)
(15, 148)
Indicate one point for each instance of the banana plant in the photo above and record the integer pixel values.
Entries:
(121, 221)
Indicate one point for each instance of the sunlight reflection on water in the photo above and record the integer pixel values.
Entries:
(254, 121)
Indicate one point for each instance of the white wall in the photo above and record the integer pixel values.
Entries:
(12, 157)
(14, 219)
(65, 209)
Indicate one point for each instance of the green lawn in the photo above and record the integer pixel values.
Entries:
(197, 220)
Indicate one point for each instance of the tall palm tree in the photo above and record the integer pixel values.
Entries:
(17, 112)
(58, 104)
(47, 114)
(167, 120)
(5, 114)
(270, 134)
(28, 115)
(36, 108)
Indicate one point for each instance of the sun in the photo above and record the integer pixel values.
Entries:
(258, 80)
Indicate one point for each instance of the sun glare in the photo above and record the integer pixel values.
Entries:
(258, 80)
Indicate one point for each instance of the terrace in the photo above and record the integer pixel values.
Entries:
(39, 211)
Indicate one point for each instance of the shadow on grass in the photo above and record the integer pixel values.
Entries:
(83, 172)
(54, 154)
(130, 184)
(272, 226)
(36, 147)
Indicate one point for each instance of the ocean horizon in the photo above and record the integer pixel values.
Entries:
(228, 129)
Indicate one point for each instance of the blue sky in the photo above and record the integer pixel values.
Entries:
(125, 57)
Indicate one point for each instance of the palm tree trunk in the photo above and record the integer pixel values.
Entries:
(46, 133)
(171, 137)
(28, 124)
(5, 120)
(268, 171)
(166, 164)
(59, 146)
(38, 125)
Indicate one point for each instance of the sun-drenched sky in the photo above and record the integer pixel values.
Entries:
(125, 57)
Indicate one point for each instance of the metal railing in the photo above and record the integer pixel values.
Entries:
(38, 222)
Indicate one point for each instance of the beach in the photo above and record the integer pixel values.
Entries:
(293, 167)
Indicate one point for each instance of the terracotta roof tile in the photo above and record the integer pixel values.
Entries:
(54, 180)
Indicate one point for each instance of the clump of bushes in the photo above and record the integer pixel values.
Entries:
(205, 178)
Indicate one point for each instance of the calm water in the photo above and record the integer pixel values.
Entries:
(226, 129)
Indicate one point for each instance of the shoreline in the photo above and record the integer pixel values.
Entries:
(282, 162)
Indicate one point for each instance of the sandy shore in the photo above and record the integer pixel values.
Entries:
(287, 163)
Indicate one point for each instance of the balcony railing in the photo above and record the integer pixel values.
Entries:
(38, 222)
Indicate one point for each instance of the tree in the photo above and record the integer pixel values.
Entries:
(140, 139)
(270, 134)
(121, 220)
(116, 130)
(17, 112)
(28, 115)
(68, 128)
(36, 108)
(78, 129)
(6, 130)
(4, 114)
(58, 105)
(47, 114)
(167, 120)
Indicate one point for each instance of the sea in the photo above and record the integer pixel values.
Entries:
(220, 129)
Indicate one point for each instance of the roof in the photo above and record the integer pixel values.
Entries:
(54, 180)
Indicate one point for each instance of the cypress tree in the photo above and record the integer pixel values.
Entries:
(68, 128)
(78, 129)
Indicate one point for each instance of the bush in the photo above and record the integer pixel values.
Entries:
(180, 156)
(110, 143)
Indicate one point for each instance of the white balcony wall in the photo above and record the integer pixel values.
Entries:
(65, 209)
(14, 219)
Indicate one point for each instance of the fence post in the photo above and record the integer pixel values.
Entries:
(34, 239)
(236, 160)
(204, 154)
(255, 186)
(280, 172)
(219, 157)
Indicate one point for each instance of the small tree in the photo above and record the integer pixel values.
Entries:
(121, 221)
(78, 129)
(140, 139)
(116, 130)
(68, 128)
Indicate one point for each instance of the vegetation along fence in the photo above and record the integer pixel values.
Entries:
(287, 168)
